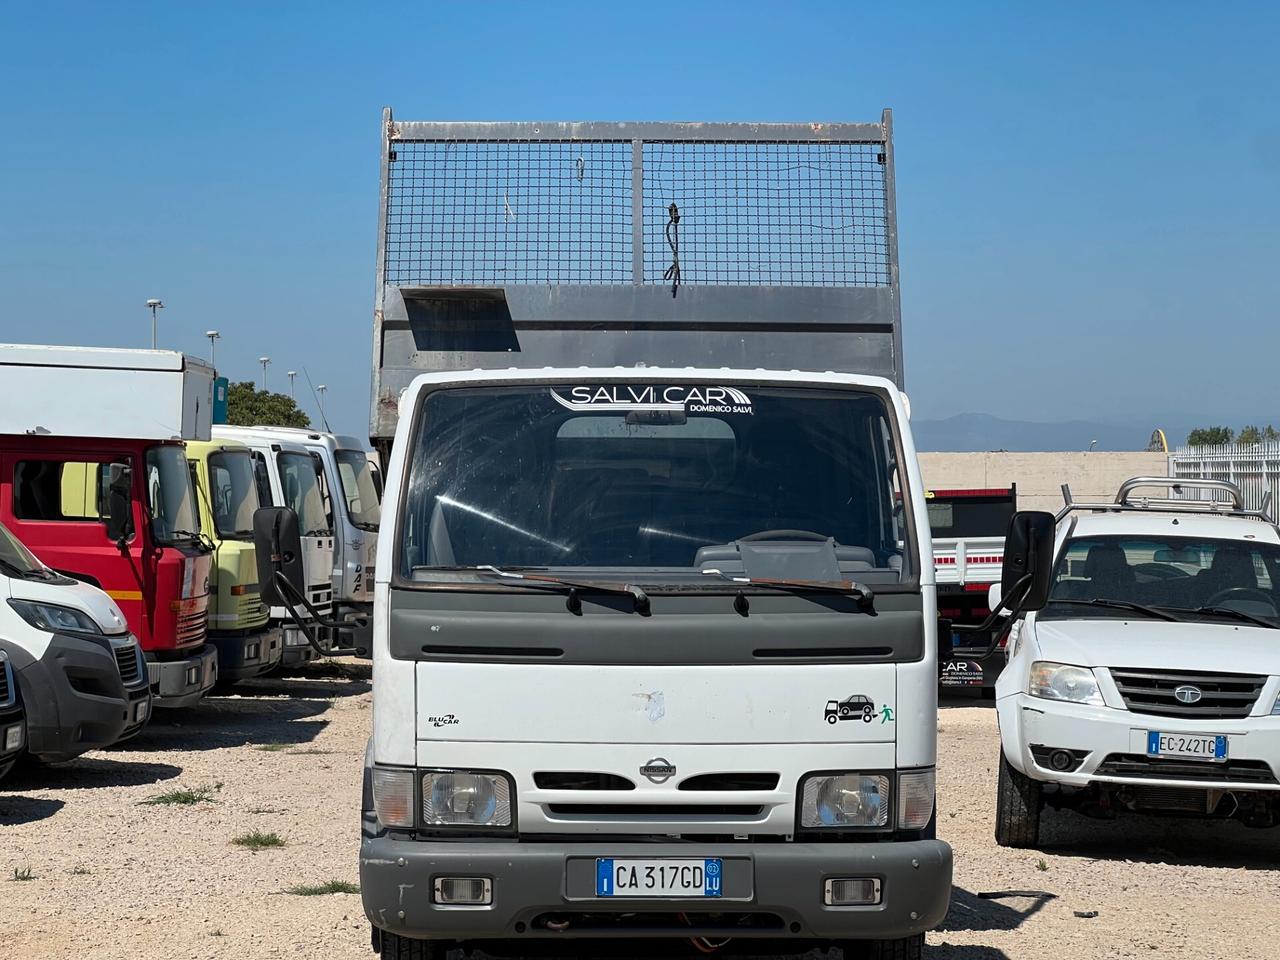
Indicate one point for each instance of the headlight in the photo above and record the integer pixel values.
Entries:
(915, 799)
(464, 798)
(53, 618)
(393, 796)
(1275, 708)
(845, 800)
(1062, 681)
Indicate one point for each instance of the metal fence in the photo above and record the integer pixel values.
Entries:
(1254, 468)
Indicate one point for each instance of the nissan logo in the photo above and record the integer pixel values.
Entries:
(658, 770)
(1187, 694)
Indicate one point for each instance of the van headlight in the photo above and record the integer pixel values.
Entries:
(466, 798)
(845, 800)
(55, 619)
(1063, 681)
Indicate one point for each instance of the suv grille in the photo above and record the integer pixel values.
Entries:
(1222, 695)
(1231, 771)
(127, 661)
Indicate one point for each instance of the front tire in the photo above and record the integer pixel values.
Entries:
(1018, 804)
(396, 947)
(908, 948)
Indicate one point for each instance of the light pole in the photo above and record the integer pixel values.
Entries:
(292, 374)
(155, 305)
(320, 389)
(213, 336)
(264, 361)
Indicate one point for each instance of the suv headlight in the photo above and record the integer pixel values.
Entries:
(1063, 681)
(466, 798)
(53, 618)
(845, 800)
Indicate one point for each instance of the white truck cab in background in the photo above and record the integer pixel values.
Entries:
(1149, 680)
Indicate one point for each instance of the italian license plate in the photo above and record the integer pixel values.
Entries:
(1186, 746)
(658, 878)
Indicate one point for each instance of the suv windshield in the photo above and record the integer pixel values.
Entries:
(233, 494)
(631, 475)
(170, 498)
(15, 557)
(358, 490)
(1178, 575)
(301, 486)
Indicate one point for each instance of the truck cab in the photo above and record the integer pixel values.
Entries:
(1149, 678)
(287, 474)
(227, 496)
(67, 661)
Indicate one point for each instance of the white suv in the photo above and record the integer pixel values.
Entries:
(1148, 680)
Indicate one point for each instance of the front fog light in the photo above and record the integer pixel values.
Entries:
(845, 800)
(851, 892)
(466, 798)
(463, 891)
(393, 796)
(915, 799)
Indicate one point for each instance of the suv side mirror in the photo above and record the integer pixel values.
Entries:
(278, 546)
(119, 515)
(1028, 553)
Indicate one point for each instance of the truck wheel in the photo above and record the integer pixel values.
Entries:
(867, 714)
(1018, 805)
(908, 948)
(396, 947)
(831, 718)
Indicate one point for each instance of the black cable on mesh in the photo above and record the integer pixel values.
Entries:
(672, 231)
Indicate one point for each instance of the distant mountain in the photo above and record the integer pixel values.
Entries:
(982, 432)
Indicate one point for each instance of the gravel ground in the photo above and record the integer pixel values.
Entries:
(112, 877)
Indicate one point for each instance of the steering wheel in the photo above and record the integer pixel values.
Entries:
(1240, 593)
(784, 535)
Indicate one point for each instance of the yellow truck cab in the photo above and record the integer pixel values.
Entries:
(222, 471)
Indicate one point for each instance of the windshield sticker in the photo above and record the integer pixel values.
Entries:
(689, 398)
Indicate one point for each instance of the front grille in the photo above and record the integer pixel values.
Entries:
(127, 661)
(556, 780)
(731, 781)
(1222, 695)
(660, 811)
(321, 597)
(192, 626)
(251, 609)
(1230, 771)
(6, 684)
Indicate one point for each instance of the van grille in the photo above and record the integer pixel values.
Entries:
(659, 811)
(127, 661)
(1222, 695)
(6, 682)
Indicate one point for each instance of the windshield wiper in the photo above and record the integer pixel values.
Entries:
(536, 580)
(34, 573)
(847, 587)
(1229, 612)
(1119, 605)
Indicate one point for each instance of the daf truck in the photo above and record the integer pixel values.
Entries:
(652, 504)
(94, 480)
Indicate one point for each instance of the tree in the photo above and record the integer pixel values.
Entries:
(1269, 433)
(1210, 436)
(250, 407)
(1249, 435)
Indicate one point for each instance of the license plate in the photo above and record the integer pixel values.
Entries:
(658, 878)
(1186, 746)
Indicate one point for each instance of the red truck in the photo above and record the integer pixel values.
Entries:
(94, 480)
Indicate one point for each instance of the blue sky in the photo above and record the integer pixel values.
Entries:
(1088, 193)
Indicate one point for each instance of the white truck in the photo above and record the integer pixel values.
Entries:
(632, 552)
(1149, 678)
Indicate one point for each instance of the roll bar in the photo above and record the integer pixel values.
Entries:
(1125, 500)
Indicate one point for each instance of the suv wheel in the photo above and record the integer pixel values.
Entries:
(1018, 806)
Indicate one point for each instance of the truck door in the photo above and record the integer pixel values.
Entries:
(57, 505)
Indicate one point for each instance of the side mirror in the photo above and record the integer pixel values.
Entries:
(278, 545)
(119, 517)
(1028, 553)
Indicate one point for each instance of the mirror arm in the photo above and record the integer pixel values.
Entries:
(286, 590)
(1009, 603)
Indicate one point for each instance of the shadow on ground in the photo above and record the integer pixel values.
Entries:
(993, 910)
(15, 810)
(88, 773)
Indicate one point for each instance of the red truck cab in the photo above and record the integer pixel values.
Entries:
(54, 494)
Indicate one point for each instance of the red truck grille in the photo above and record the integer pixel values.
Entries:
(192, 627)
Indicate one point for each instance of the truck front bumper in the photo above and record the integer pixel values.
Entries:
(74, 698)
(182, 682)
(546, 889)
(241, 656)
(297, 650)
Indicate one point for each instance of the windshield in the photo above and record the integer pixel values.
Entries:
(301, 486)
(233, 494)
(954, 517)
(15, 556)
(358, 489)
(170, 497)
(574, 476)
(1179, 574)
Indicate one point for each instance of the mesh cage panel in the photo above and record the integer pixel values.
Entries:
(770, 214)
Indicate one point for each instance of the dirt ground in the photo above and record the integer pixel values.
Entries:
(111, 877)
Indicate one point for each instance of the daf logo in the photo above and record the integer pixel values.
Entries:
(658, 770)
(1187, 694)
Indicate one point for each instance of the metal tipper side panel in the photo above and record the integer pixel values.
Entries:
(739, 245)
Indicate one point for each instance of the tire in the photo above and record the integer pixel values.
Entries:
(831, 718)
(844, 711)
(867, 715)
(396, 947)
(1018, 805)
(908, 948)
